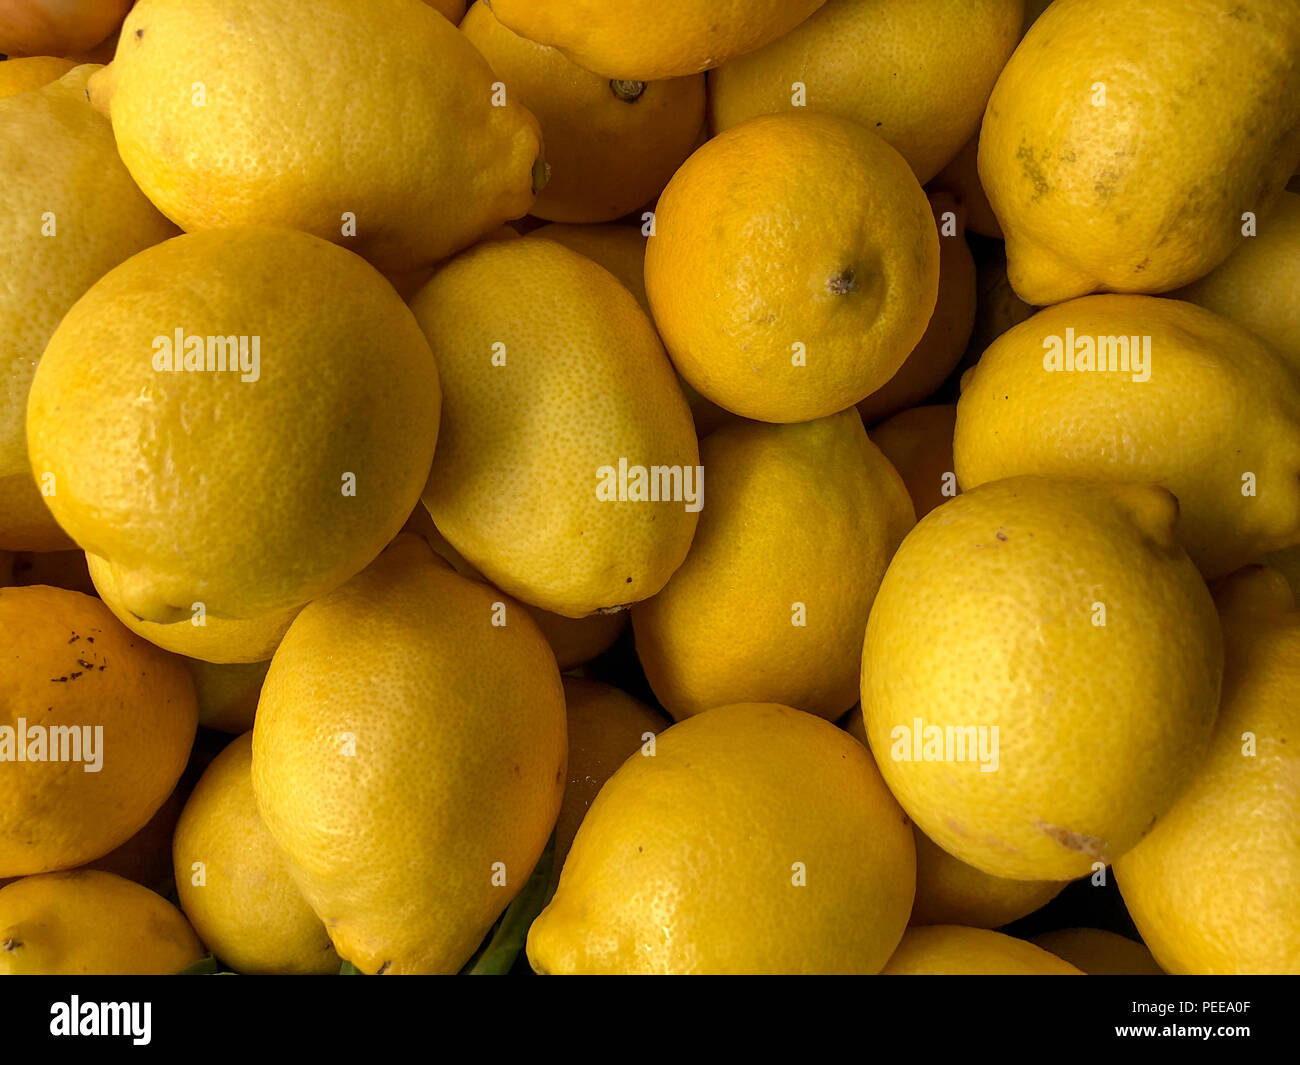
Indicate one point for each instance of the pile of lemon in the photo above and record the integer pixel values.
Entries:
(372, 368)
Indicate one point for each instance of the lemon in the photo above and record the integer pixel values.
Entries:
(949, 891)
(95, 728)
(573, 640)
(755, 802)
(58, 27)
(941, 346)
(611, 145)
(772, 600)
(408, 761)
(793, 266)
(918, 444)
(400, 153)
(531, 336)
(72, 213)
(606, 727)
(932, 66)
(1208, 411)
(645, 40)
(226, 693)
(1287, 563)
(24, 75)
(620, 249)
(1256, 285)
(1099, 953)
(960, 179)
(89, 923)
(1122, 143)
(232, 882)
(208, 639)
(1212, 889)
(1049, 611)
(950, 950)
(146, 857)
(997, 307)
(576, 641)
(246, 490)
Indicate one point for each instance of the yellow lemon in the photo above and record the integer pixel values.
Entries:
(1212, 889)
(227, 693)
(1258, 284)
(409, 761)
(1287, 563)
(1137, 388)
(941, 346)
(770, 605)
(574, 640)
(611, 145)
(960, 179)
(72, 213)
(793, 266)
(232, 882)
(645, 40)
(146, 857)
(1041, 673)
(949, 891)
(1122, 143)
(606, 727)
(95, 728)
(951, 950)
(620, 249)
(530, 335)
(58, 27)
(24, 75)
(1099, 953)
(189, 410)
(932, 66)
(400, 153)
(755, 802)
(90, 923)
(918, 444)
(208, 639)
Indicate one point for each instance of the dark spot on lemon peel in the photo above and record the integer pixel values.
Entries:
(139, 34)
(384, 968)
(1032, 169)
(843, 282)
(627, 91)
(10, 944)
(541, 174)
(1075, 841)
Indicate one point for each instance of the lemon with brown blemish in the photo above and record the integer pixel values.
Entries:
(1040, 675)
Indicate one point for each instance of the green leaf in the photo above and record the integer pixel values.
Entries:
(498, 953)
(203, 967)
(348, 969)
